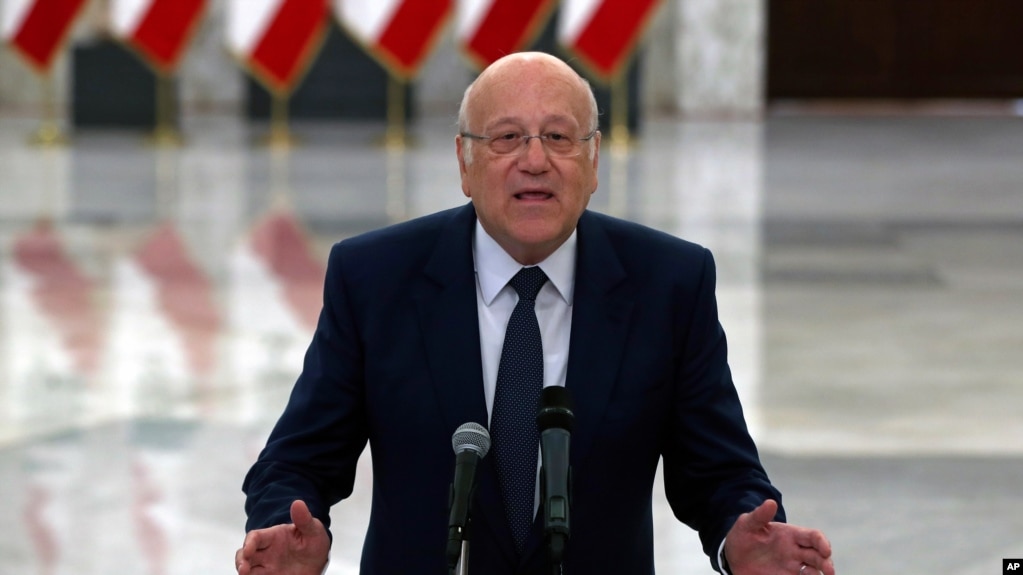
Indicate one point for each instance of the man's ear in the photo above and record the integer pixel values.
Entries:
(462, 168)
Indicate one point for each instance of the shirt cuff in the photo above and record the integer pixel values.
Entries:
(722, 564)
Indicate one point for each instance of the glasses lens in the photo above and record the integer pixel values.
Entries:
(559, 144)
(506, 143)
(556, 143)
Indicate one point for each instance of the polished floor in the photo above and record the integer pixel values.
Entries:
(155, 303)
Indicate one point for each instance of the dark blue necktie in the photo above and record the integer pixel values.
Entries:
(513, 421)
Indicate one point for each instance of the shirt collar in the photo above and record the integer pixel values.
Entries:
(495, 268)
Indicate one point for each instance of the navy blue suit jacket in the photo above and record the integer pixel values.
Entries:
(395, 361)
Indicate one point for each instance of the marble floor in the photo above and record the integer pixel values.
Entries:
(155, 303)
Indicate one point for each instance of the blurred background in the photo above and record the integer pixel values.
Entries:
(173, 173)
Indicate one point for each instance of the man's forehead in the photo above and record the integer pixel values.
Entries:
(500, 100)
(518, 120)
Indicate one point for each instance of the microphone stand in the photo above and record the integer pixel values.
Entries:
(462, 567)
(463, 561)
(556, 530)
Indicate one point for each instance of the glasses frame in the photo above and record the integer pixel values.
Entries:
(525, 138)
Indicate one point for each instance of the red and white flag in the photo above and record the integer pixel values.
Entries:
(603, 33)
(276, 39)
(490, 29)
(398, 33)
(37, 28)
(158, 29)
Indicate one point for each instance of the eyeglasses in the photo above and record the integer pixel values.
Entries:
(556, 143)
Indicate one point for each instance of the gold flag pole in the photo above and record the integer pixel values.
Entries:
(165, 133)
(49, 133)
(395, 137)
(619, 180)
(620, 136)
(397, 201)
(280, 135)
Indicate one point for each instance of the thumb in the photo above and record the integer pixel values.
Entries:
(760, 517)
(302, 517)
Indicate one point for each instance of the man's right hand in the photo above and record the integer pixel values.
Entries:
(299, 548)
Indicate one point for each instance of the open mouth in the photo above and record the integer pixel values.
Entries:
(535, 195)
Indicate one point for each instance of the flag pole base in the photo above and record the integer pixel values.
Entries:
(396, 140)
(49, 135)
(165, 134)
(396, 137)
(621, 138)
(165, 137)
(280, 138)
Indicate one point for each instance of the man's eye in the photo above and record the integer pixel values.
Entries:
(508, 137)
(556, 137)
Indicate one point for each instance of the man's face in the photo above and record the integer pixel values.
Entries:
(528, 201)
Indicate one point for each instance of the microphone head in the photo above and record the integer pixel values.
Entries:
(555, 409)
(473, 437)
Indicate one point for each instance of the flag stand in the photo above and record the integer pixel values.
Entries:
(280, 135)
(621, 142)
(396, 137)
(165, 134)
(397, 200)
(49, 133)
(619, 176)
(620, 136)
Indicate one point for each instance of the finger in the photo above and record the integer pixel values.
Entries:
(816, 564)
(763, 515)
(302, 518)
(240, 564)
(253, 543)
(814, 539)
(825, 567)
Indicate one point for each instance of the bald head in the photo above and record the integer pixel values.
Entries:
(514, 69)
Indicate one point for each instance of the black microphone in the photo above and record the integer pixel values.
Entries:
(471, 442)
(555, 421)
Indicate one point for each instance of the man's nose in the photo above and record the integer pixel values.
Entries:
(534, 156)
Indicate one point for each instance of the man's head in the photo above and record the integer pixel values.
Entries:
(528, 199)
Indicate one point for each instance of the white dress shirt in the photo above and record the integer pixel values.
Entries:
(495, 300)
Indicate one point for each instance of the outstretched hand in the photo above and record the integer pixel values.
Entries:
(298, 548)
(757, 545)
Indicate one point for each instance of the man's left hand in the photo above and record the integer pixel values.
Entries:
(757, 545)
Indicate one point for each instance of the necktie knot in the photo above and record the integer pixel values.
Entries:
(528, 282)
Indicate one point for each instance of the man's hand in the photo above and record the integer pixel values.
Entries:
(299, 548)
(756, 545)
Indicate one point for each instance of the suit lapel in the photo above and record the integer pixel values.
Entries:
(449, 325)
(600, 322)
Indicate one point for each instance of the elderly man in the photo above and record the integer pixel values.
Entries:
(411, 344)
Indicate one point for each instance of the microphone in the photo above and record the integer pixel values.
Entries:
(471, 442)
(555, 419)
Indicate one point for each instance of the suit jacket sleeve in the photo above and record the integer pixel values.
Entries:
(315, 446)
(712, 471)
